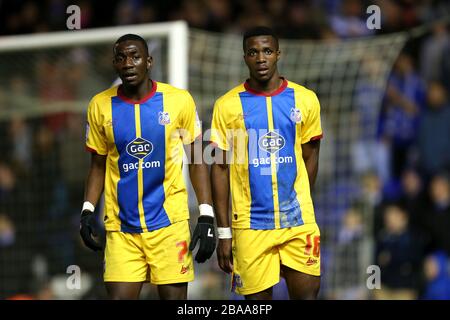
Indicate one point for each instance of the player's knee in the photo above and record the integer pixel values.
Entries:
(305, 290)
(174, 296)
(122, 296)
(262, 295)
(310, 291)
(173, 291)
(122, 292)
(315, 290)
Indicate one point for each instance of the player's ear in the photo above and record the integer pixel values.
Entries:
(278, 54)
(149, 62)
(114, 54)
(114, 63)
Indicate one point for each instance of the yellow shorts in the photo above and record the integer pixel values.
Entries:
(258, 254)
(161, 256)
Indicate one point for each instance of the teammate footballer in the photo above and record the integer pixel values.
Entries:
(136, 133)
(271, 128)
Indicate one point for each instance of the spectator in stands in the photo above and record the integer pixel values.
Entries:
(15, 201)
(437, 277)
(434, 131)
(350, 23)
(126, 12)
(391, 16)
(193, 12)
(405, 98)
(438, 214)
(413, 198)
(432, 53)
(369, 153)
(27, 19)
(251, 13)
(219, 15)
(147, 13)
(399, 255)
(371, 195)
(348, 17)
(277, 9)
(445, 71)
(15, 260)
(19, 135)
(55, 87)
(73, 159)
(45, 168)
(348, 271)
(81, 79)
(301, 22)
(19, 88)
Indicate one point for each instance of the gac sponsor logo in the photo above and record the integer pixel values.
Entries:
(271, 142)
(141, 165)
(256, 162)
(139, 148)
(311, 261)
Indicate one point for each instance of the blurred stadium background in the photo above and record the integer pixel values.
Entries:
(383, 191)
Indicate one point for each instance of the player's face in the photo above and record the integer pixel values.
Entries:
(261, 56)
(132, 62)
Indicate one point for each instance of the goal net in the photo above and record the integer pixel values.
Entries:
(45, 87)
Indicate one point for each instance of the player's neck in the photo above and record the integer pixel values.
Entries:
(138, 92)
(266, 87)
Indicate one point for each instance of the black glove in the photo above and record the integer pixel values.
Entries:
(204, 231)
(87, 230)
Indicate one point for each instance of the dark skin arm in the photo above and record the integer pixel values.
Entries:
(220, 181)
(93, 190)
(204, 230)
(310, 153)
(198, 172)
(96, 179)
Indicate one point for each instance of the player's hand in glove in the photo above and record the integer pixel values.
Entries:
(204, 231)
(88, 230)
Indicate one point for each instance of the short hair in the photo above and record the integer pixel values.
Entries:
(132, 37)
(259, 31)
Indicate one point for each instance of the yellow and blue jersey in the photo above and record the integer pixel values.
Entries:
(268, 178)
(143, 141)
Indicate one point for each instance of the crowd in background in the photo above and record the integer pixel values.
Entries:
(404, 169)
(308, 19)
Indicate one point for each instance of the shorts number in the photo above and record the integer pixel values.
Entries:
(183, 250)
(315, 246)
